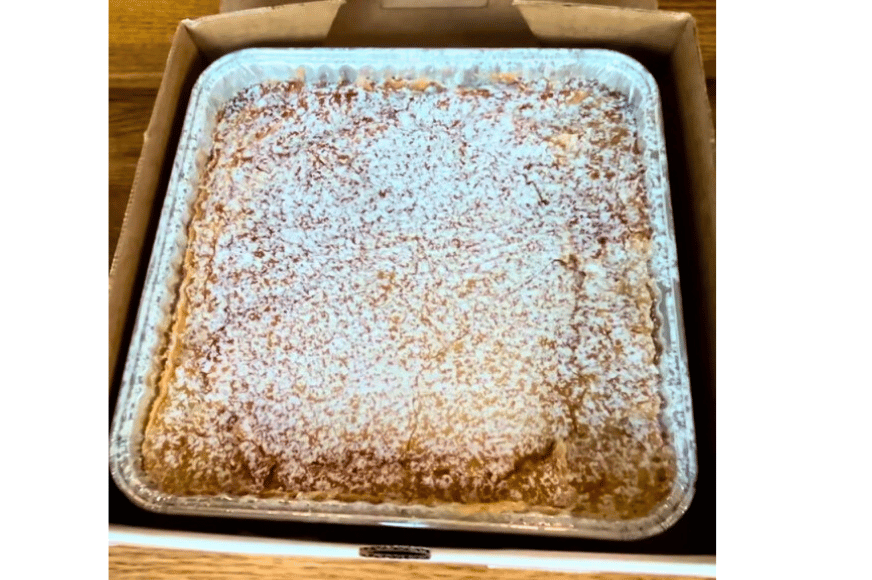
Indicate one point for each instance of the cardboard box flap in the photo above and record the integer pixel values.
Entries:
(642, 4)
(182, 63)
(234, 5)
(434, 23)
(697, 124)
(368, 23)
(306, 22)
(561, 22)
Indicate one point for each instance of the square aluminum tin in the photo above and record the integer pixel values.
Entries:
(239, 70)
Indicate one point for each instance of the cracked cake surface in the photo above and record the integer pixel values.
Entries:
(401, 292)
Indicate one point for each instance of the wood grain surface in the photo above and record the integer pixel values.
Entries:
(129, 562)
(140, 34)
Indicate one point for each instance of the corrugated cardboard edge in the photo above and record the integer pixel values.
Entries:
(643, 4)
(237, 5)
(308, 21)
(234, 5)
(695, 110)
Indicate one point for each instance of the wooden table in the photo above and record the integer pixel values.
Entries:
(140, 34)
(131, 562)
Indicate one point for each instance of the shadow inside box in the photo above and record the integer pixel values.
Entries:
(682, 539)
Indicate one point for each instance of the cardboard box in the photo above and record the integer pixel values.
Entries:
(666, 43)
(317, 559)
